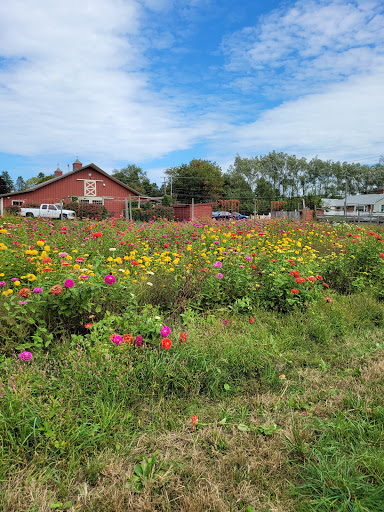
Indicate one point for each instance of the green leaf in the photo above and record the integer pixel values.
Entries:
(98, 309)
(242, 427)
(7, 306)
(223, 421)
(226, 387)
(56, 505)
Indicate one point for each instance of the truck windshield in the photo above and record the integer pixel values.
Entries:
(52, 207)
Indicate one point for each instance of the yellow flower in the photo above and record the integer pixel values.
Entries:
(47, 248)
(31, 277)
(40, 243)
(16, 283)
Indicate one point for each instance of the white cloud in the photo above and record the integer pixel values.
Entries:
(297, 50)
(75, 80)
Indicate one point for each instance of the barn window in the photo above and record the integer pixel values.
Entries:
(84, 201)
(89, 187)
(17, 203)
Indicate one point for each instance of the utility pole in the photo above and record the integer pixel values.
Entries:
(165, 186)
(345, 199)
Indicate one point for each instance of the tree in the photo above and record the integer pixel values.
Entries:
(8, 181)
(3, 186)
(200, 179)
(40, 178)
(136, 178)
(20, 184)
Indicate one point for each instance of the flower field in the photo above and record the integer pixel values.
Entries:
(116, 336)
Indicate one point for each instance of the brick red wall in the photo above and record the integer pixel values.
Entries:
(201, 211)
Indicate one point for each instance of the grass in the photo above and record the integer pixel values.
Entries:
(289, 412)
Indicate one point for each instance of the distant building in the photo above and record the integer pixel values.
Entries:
(364, 203)
(89, 184)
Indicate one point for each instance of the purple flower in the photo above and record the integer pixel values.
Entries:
(3, 283)
(69, 283)
(218, 264)
(14, 279)
(138, 340)
(22, 302)
(220, 276)
(225, 322)
(63, 254)
(109, 279)
(248, 258)
(117, 340)
(83, 276)
(26, 356)
(165, 331)
(37, 290)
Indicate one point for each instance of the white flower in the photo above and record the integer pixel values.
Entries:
(151, 273)
(112, 249)
(149, 284)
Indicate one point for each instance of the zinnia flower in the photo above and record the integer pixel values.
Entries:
(117, 340)
(63, 254)
(295, 291)
(218, 264)
(69, 283)
(37, 290)
(24, 292)
(138, 340)
(109, 279)
(56, 289)
(183, 337)
(128, 338)
(166, 343)
(251, 320)
(165, 331)
(22, 302)
(26, 356)
(3, 283)
(194, 422)
(220, 276)
(88, 326)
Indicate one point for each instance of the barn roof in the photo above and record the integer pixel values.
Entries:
(53, 180)
(359, 200)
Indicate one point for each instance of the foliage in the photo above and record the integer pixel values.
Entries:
(8, 182)
(200, 179)
(136, 178)
(83, 210)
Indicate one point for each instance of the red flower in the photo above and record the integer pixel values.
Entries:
(251, 320)
(24, 292)
(319, 278)
(273, 261)
(97, 235)
(294, 273)
(56, 289)
(128, 338)
(382, 255)
(326, 285)
(133, 262)
(88, 326)
(166, 343)
(312, 278)
(183, 337)
(194, 421)
(328, 299)
(300, 280)
(46, 260)
(253, 266)
(295, 291)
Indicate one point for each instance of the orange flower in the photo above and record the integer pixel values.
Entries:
(183, 337)
(295, 291)
(24, 292)
(128, 338)
(56, 289)
(194, 422)
(251, 320)
(46, 260)
(166, 343)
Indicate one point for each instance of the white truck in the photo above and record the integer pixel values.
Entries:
(51, 211)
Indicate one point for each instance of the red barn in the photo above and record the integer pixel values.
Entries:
(88, 183)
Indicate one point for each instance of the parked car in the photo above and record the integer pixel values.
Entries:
(239, 216)
(47, 210)
(221, 215)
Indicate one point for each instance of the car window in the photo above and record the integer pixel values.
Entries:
(44, 207)
(52, 207)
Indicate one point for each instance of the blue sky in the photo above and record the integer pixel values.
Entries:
(159, 82)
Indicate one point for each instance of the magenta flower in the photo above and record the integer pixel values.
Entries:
(37, 290)
(117, 340)
(3, 283)
(26, 356)
(218, 264)
(220, 276)
(138, 340)
(165, 331)
(83, 276)
(22, 302)
(109, 279)
(63, 254)
(69, 283)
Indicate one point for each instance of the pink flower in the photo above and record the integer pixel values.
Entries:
(218, 264)
(138, 340)
(117, 340)
(37, 290)
(63, 254)
(109, 279)
(69, 283)
(165, 331)
(220, 276)
(26, 356)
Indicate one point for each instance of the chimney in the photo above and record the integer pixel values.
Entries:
(77, 165)
(58, 172)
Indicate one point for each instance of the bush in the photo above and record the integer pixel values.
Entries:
(12, 210)
(92, 211)
(159, 212)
